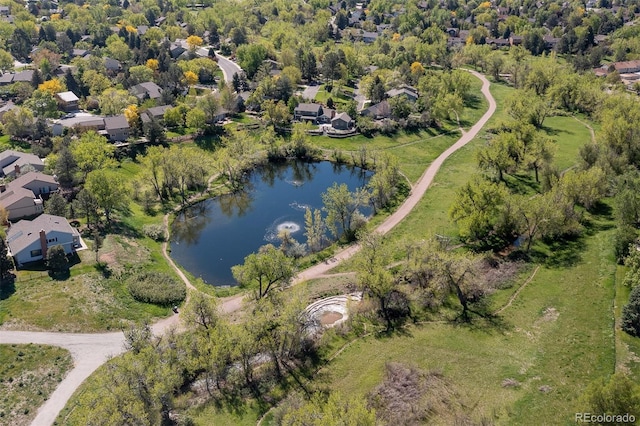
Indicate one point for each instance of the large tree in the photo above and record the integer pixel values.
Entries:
(342, 207)
(92, 152)
(268, 268)
(109, 189)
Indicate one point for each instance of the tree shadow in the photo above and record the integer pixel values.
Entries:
(60, 275)
(7, 287)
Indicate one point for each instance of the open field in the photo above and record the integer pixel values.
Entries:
(557, 336)
(28, 374)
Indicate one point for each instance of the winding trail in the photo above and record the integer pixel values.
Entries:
(90, 351)
(416, 193)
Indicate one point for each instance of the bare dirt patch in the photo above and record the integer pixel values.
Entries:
(329, 318)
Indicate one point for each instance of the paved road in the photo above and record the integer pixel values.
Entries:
(89, 351)
(228, 67)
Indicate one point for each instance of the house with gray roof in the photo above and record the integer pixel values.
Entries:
(409, 92)
(156, 113)
(38, 183)
(378, 111)
(342, 121)
(29, 240)
(6, 78)
(116, 128)
(12, 161)
(146, 90)
(24, 76)
(308, 112)
(20, 202)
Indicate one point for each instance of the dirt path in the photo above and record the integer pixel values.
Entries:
(89, 351)
(416, 193)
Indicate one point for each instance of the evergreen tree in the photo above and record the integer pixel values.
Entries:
(57, 262)
(6, 264)
(56, 205)
(36, 79)
(631, 313)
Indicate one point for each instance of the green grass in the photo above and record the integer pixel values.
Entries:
(529, 343)
(569, 135)
(627, 347)
(28, 376)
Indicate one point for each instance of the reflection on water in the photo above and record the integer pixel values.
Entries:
(212, 236)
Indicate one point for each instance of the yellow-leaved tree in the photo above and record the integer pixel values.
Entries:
(194, 41)
(132, 115)
(52, 86)
(152, 64)
(191, 78)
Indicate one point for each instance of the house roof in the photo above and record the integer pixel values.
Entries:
(147, 88)
(11, 196)
(116, 122)
(22, 234)
(11, 158)
(303, 108)
(342, 116)
(381, 109)
(402, 91)
(158, 111)
(67, 97)
(27, 178)
(111, 64)
(6, 78)
(26, 75)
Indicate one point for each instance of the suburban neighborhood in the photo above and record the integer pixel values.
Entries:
(319, 212)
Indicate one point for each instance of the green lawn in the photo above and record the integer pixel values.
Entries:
(28, 375)
(558, 333)
(569, 134)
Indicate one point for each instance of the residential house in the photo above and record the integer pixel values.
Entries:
(4, 10)
(25, 76)
(409, 92)
(6, 78)
(12, 161)
(308, 112)
(156, 113)
(378, 111)
(6, 106)
(326, 116)
(29, 241)
(67, 101)
(142, 29)
(38, 183)
(369, 37)
(146, 90)
(342, 121)
(79, 53)
(117, 128)
(20, 202)
(176, 50)
(112, 65)
(516, 40)
(627, 66)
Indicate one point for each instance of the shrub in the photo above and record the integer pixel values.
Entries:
(156, 287)
(57, 262)
(155, 232)
(631, 313)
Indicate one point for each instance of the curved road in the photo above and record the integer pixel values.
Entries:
(90, 351)
(228, 67)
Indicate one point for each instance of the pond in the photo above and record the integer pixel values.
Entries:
(210, 237)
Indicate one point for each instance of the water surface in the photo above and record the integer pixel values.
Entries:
(210, 237)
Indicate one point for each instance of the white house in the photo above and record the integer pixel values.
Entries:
(28, 241)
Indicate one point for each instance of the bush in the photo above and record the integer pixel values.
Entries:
(624, 237)
(631, 313)
(156, 287)
(155, 232)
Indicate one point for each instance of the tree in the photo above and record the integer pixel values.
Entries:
(336, 410)
(502, 153)
(478, 209)
(6, 61)
(52, 86)
(43, 104)
(267, 268)
(57, 262)
(65, 167)
(210, 105)
(375, 279)
(97, 243)
(190, 78)
(342, 209)
(114, 101)
(142, 73)
(201, 311)
(109, 189)
(20, 44)
(315, 229)
(56, 205)
(6, 264)
(92, 152)
(539, 153)
(526, 106)
(194, 42)
(250, 57)
(18, 122)
(196, 119)
(631, 313)
(86, 205)
(617, 395)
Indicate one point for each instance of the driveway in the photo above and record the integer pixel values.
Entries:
(89, 351)
(310, 92)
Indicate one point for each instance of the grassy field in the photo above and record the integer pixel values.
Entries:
(554, 339)
(28, 375)
(569, 134)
